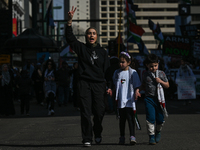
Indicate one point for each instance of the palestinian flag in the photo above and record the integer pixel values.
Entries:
(135, 33)
(158, 34)
(156, 31)
(130, 11)
(142, 47)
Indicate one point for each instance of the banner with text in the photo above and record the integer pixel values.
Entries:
(186, 88)
(177, 45)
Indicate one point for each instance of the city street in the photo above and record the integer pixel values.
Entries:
(62, 131)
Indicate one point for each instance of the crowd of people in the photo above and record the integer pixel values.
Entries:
(93, 79)
(44, 83)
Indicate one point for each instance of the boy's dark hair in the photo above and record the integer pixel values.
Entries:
(151, 58)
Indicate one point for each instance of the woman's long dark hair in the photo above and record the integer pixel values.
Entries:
(53, 64)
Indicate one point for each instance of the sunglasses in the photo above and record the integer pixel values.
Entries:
(50, 64)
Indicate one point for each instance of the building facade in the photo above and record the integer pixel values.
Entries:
(161, 11)
(82, 13)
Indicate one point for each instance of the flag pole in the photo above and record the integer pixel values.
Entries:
(119, 36)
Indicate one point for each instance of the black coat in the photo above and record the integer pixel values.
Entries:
(93, 61)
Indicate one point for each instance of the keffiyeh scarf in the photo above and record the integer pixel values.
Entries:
(161, 96)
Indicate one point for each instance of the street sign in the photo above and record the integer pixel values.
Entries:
(4, 59)
(190, 30)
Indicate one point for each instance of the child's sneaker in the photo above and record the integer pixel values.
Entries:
(152, 140)
(122, 140)
(158, 136)
(87, 144)
(132, 140)
(98, 140)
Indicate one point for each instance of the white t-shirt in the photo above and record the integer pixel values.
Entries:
(125, 94)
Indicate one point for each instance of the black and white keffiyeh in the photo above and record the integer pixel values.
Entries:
(161, 96)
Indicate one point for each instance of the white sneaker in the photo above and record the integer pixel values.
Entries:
(87, 144)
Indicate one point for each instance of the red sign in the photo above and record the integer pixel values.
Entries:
(15, 26)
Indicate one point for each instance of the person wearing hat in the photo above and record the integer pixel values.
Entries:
(93, 62)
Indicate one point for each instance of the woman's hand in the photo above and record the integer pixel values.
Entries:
(109, 91)
(70, 15)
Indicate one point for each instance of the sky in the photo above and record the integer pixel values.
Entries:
(58, 13)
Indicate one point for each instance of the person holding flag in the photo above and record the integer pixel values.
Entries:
(127, 83)
(153, 82)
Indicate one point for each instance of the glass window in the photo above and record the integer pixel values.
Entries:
(118, 8)
(172, 9)
(103, 15)
(104, 40)
(104, 22)
(103, 3)
(112, 15)
(119, 2)
(104, 27)
(119, 21)
(104, 33)
(103, 8)
(170, 25)
(171, 17)
(112, 27)
(112, 2)
(112, 21)
(112, 8)
(112, 33)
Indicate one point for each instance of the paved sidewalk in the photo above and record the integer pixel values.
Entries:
(62, 131)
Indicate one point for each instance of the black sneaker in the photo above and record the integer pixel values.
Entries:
(98, 140)
(122, 140)
(87, 144)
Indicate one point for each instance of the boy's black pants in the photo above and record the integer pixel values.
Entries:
(25, 103)
(91, 102)
(127, 114)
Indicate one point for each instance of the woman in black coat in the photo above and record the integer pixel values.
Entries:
(93, 62)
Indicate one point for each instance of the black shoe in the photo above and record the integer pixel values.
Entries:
(122, 140)
(98, 140)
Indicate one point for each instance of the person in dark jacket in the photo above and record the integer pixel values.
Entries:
(6, 92)
(63, 76)
(38, 84)
(75, 85)
(24, 84)
(93, 62)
